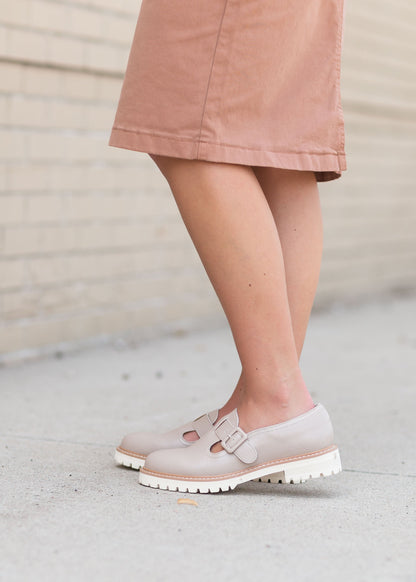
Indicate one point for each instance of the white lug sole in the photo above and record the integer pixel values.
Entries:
(296, 471)
(129, 461)
(301, 471)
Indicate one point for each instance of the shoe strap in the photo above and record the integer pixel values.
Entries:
(202, 425)
(235, 441)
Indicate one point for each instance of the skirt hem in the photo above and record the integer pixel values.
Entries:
(326, 165)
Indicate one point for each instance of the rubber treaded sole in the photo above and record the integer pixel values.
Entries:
(296, 471)
(129, 461)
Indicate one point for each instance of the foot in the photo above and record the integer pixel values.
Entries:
(255, 414)
(259, 408)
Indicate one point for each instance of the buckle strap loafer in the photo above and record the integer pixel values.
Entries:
(289, 452)
(135, 447)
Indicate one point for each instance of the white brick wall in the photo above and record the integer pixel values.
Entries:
(370, 213)
(91, 242)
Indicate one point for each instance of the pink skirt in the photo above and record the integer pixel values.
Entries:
(253, 82)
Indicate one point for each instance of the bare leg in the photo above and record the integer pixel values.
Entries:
(293, 198)
(233, 229)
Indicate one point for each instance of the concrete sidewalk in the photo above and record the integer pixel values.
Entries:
(70, 514)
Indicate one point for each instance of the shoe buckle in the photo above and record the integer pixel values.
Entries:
(232, 438)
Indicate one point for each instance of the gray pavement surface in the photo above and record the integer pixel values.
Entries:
(69, 513)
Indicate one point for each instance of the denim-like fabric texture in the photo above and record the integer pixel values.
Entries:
(253, 82)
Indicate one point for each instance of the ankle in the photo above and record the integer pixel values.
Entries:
(234, 399)
(276, 387)
(259, 408)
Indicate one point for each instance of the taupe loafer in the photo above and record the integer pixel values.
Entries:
(291, 452)
(136, 446)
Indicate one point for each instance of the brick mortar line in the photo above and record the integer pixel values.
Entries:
(67, 36)
(364, 33)
(92, 223)
(81, 163)
(156, 275)
(62, 98)
(92, 8)
(62, 67)
(69, 131)
(139, 277)
(99, 251)
(358, 14)
(184, 293)
(353, 55)
(377, 109)
(117, 193)
(330, 263)
(89, 311)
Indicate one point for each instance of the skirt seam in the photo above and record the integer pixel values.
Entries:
(210, 76)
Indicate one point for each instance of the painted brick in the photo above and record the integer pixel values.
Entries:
(13, 273)
(44, 207)
(86, 23)
(13, 144)
(25, 112)
(67, 177)
(16, 12)
(11, 210)
(100, 57)
(40, 81)
(4, 177)
(26, 45)
(43, 146)
(50, 16)
(82, 86)
(119, 29)
(124, 6)
(109, 88)
(20, 304)
(24, 176)
(10, 77)
(64, 114)
(65, 51)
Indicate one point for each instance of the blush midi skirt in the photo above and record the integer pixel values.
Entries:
(252, 82)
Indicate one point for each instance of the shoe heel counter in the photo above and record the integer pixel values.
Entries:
(323, 429)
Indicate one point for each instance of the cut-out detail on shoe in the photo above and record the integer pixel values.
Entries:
(140, 444)
(190, 436)
(216, 447)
